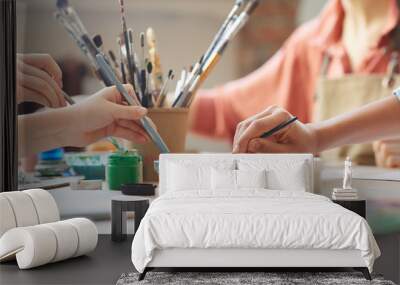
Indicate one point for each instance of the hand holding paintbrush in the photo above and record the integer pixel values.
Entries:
(145, 121)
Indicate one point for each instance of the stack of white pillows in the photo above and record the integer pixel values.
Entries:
(225, 176)
(31, 231)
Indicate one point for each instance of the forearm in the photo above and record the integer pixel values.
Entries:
(379, 120)
(44, 131)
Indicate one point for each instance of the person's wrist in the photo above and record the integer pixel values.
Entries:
(318, 135)
(72, 121)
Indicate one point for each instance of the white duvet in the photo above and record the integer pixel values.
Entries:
(250, 219)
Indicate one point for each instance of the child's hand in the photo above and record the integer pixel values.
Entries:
(296, 137)
(106, 114)
(39, 80)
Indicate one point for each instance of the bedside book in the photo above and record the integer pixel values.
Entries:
(344, 194)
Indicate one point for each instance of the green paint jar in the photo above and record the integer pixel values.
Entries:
(124, 168)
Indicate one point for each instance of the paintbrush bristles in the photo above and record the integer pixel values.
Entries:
(151, 38)
(123, 20)
(112, 55)
(130, 32)
(98, 41)
(149, 67)
(62, 4)
(142, 39)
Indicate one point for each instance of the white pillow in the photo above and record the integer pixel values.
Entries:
(193, 175)
(183, 177)
(223, 179)
(251, 178)
(290, 175)
(226, 179)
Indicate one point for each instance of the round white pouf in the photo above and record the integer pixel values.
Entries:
(46, 207)
(87, 233)
(67, 240)
(33, 246)
(7, 218)
(23, 208)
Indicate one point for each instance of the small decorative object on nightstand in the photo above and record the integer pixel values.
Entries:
(119, 206)
(346, 192)
(347, 197)
(356, 206)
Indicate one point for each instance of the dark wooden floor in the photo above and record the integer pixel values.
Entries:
(106, 264)
(103, 266)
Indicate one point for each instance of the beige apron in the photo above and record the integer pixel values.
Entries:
(347, 93)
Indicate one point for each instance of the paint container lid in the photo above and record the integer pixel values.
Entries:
(125, 158)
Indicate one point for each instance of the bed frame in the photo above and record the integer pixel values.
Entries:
(245, 259)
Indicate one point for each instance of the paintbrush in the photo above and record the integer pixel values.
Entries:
(68, 98)
(198, 67)
(70, 16)
(113, 59)
(148, 84)
(122, 64)
(74, 35)
(126, 41)
(142, 61)
(201, 73)
(181, 82)
(142, 58)
(278, 128)
(243, 18)
(117, 145)
(74, 21)
(136, 81)
(164, 90)
(145, 98)
(200, 78)
(131, 100)
(191, 78)
(143, 71)
(98, 41)
(157, 75)
(222, 30)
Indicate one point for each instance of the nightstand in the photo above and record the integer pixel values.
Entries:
(357, 206)
(119, 206)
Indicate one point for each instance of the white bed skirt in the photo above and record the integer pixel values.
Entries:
(190, 257)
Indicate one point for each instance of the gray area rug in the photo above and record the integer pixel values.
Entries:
(243, 278)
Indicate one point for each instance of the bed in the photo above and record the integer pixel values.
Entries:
(246, 211)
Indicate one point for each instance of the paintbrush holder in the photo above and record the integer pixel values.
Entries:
(172, 125)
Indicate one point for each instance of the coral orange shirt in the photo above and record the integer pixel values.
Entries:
(289, 78)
